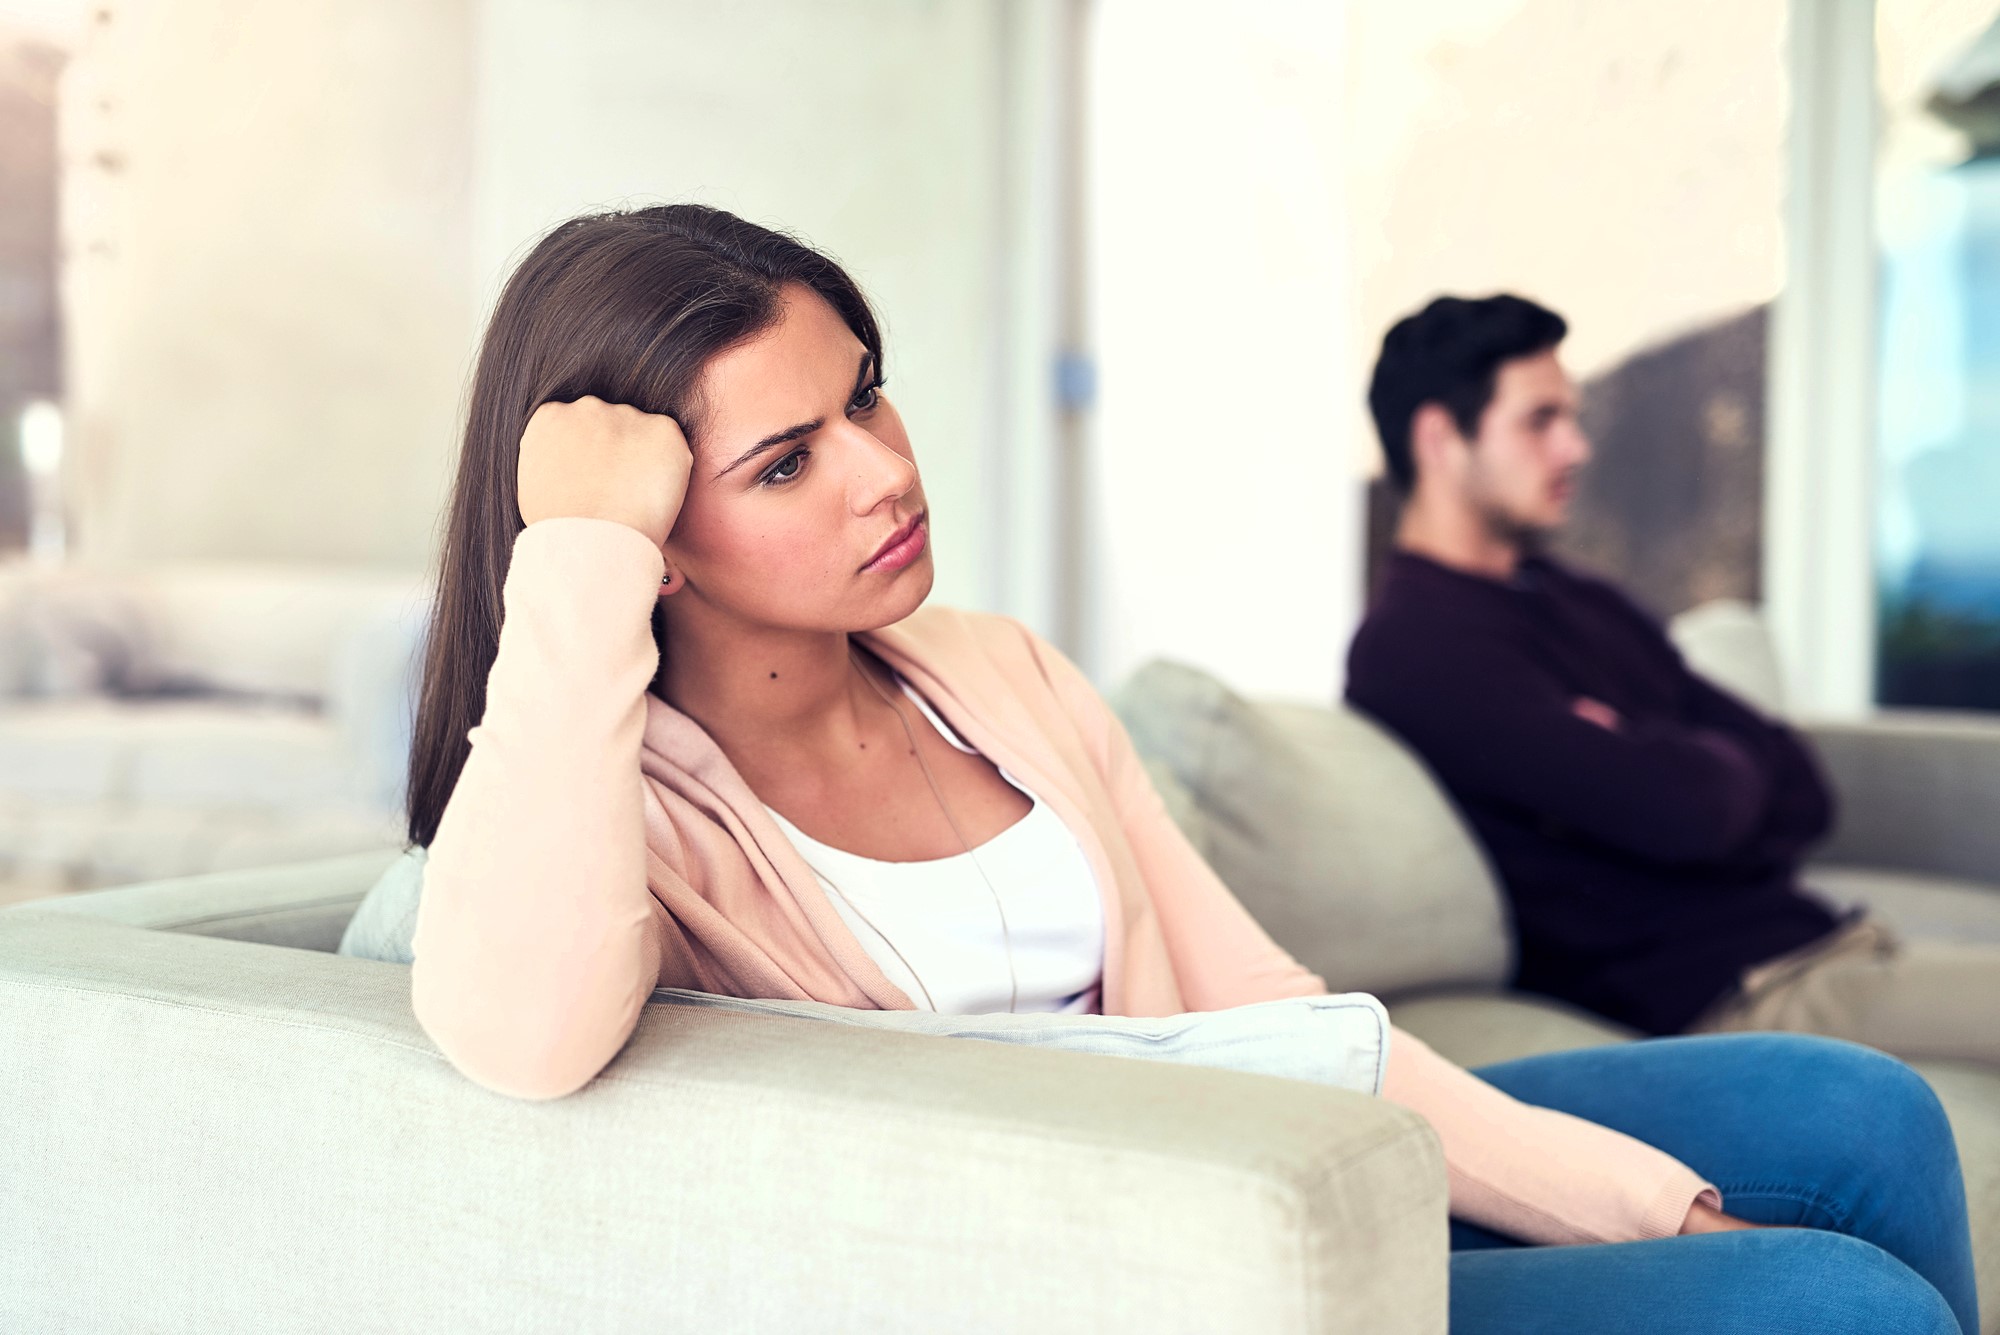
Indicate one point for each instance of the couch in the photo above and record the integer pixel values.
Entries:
(218, 1125)
(213, 1124)
(198, 716)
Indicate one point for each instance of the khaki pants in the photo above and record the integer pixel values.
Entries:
(1910, 998)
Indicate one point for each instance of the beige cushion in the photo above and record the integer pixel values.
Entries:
(1477, 1027)
(1328, 830)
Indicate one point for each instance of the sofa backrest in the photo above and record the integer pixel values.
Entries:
(1329, 830)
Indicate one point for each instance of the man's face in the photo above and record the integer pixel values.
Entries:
(1520, 472)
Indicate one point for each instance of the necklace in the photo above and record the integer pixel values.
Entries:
(999, 908)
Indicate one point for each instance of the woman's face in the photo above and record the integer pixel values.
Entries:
(802, 477)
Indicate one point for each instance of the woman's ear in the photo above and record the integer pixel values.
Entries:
(671, 581)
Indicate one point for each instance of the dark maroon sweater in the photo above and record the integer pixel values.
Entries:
(1646, 866)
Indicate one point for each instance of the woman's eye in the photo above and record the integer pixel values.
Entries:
(867, 398)
(786, 468)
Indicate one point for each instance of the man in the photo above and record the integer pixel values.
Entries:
(1648, 826)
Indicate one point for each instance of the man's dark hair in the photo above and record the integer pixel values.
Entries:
(1449, 353)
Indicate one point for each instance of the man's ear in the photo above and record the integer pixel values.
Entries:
(1435, 441)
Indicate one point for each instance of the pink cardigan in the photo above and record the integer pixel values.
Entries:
(599, 844)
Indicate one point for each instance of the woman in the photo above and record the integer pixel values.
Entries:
(715, 744)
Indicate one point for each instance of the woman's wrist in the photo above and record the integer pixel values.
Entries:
(1705, 1218)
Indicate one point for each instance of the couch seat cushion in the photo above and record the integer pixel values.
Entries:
(1915, 903)
(1480, 1026)
(1971, 1097)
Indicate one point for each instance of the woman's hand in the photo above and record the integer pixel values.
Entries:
(596, 460)
(1707, 1219)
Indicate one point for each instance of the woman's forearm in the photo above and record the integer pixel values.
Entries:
(1534, 1173)
(537, 939)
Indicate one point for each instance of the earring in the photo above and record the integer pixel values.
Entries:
(667, 580)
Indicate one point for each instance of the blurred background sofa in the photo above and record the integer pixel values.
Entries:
(196, 716)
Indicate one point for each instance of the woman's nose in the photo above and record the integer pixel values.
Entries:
(880, 472)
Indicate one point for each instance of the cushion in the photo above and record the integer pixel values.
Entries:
(1329, 1040)
(385, 924)
(1329, 830)
(1333, 1040)
(1914, 903)
(1727, 642)
(1476, 1027)
(1970, 1094)
(76, 632)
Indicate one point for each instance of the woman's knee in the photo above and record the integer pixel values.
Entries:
(1878, 1095)
(1856, 1086)
(1841, 1285)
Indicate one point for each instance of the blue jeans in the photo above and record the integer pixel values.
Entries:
(1839, 1139)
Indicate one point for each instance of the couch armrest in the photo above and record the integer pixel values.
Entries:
(302, 904)
(209, 1134)
(1917, 792)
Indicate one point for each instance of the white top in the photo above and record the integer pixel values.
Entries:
(936, 920)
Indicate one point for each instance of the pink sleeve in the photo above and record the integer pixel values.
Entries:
(1534, 1173)
(1531, 1173)
(537, 940)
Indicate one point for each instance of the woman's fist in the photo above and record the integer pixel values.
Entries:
(596, 460)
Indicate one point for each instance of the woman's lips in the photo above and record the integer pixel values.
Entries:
(903, 547)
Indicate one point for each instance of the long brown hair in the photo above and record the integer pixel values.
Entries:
(626, 306)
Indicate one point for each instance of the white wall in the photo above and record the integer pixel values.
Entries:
(1624, 163)
(278, 284)
(871, 128)
(265, 222)
(1226, 474)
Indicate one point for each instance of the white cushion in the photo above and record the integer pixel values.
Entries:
(1340, 1040)
(1334, 1040)
(1727, 642)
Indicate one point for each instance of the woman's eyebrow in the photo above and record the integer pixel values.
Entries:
(792, 433)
